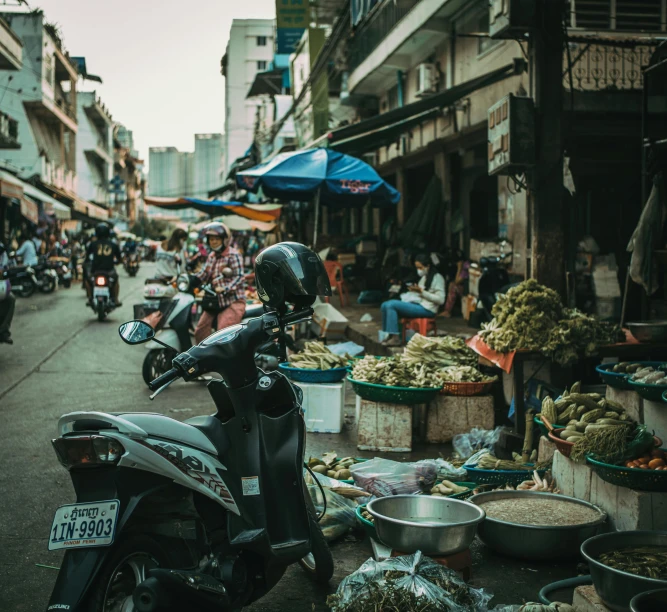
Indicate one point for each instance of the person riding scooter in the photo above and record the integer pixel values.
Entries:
(224, 271)
(105, 254)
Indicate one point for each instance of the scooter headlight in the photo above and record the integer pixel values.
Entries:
(87, 451)
(183, 282)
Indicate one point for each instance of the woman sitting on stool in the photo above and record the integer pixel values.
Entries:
(428, 296)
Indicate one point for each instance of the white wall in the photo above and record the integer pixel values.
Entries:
(207, 161)
(243, 53)
(165, 176)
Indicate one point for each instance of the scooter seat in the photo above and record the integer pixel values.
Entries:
(251, 312)
(212, 428)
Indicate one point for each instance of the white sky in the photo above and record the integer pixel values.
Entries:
(159, 60)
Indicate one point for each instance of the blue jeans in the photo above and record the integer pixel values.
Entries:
(393, 309)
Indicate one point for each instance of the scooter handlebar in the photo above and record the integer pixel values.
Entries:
(160, 381)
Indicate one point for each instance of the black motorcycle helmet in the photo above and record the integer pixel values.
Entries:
(102, 231)
(290, 272)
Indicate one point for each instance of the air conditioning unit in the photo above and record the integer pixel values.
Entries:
(426, 79)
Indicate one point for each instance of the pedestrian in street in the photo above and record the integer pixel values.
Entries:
(7, 299)
(224, 271)
(170, 255)
(422, 300)
(27, 251)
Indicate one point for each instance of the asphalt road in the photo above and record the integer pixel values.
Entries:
(64, 360)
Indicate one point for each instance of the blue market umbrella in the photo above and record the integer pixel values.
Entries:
(337, 179)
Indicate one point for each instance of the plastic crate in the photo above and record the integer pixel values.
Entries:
(313, 376)
(631, 478)
(393, 395)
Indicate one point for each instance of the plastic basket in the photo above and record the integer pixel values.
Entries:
(471, 486)
(366, 525)
(563, 446)
(467, 388)
(631, 478)
(618, 380)
(543, 428)
(500, 477)
(313, 376)
(653, 393)
(393, 395)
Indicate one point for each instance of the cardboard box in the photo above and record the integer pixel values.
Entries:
(323, 406)
(328, 322)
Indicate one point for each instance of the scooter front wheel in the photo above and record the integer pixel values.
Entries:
(319, 563)
(156, 363)
(48, 284)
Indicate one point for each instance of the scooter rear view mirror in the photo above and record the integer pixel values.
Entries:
(136, 332)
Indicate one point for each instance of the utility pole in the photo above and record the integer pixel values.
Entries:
(546, 186)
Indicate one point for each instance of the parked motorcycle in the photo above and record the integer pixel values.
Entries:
(63, 272)
(131, 263)
(45, 277)
(22, 279)
(205, 514)
(102, 302)
(175, 324)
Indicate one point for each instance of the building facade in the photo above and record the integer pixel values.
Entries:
(250, 50)
(166, 174)
(207, 164)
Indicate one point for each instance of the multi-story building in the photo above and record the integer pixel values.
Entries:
(165, 174)
(250, 50)
(11, 60)
(94, 148)
(129, 183)
(207, 163)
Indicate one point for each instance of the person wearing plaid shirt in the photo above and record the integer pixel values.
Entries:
(224, 270)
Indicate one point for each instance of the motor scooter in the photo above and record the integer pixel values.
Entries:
(175, 323)
(205, 514)
(22, 279)
(102, 302)
(131, 263)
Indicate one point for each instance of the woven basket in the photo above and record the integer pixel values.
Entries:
(618, 380)
(631, 478)
(563, 446)
(467, 388)
(500, 477)
(393, 395)
(313, 376)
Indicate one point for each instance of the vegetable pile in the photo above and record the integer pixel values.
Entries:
(333, 467)
(649, 375)
(446, 488)
(438, 351)
(532, 317)
(316, 356)
(582, 413)
(655, 460)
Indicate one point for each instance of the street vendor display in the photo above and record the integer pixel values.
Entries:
(315, 364)
(532, 317)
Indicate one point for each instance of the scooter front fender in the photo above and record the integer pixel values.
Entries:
(169, 337)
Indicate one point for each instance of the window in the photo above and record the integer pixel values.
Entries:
(620, 15)
(484, 42)
(261, 41)
(261, 65)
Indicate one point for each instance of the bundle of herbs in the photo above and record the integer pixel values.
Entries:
(613, 444)
(413, 583)
(532, 317)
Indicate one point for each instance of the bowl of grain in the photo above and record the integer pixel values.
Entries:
(536, 526)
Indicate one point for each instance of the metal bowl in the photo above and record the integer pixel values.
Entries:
(649, 331)
(534, 542)
(434, 525)
(650, 601)
(615, 587)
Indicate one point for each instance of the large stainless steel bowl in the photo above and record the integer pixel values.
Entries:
(617, 588)
(649, 331)
(434, 525)
(534, 542)
(650, 601)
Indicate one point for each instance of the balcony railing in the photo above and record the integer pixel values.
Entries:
(369, 35)
(9, 131)
(597, 67)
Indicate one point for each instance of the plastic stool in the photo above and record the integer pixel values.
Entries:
(422, 326)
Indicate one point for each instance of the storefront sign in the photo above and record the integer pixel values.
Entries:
(291, 21)
(10, 190)
(30, 211)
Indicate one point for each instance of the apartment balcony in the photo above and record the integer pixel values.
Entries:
(11, 48)
(99, 113)
(9, 132)
(56, 110)
(100, 153)
(394, 37)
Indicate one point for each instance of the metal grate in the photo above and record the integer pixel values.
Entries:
(591, 14)
(619, 15)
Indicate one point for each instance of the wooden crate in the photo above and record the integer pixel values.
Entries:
(384, 427)
(449, 415)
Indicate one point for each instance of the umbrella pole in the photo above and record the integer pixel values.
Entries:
(317, 216)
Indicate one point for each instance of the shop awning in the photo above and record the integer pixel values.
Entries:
(215, 207)
(267, 83)
(92, 212)
(51, 205)
(385, 128)
(10, 186)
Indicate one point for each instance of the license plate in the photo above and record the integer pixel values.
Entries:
(154, 304)
(84, 525)
(101, 292)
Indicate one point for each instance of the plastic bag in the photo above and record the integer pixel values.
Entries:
(383, 477)
(412, 582)
(340, 515)
(474, 459)
(349, 491)
(446, 471)
(465, 445)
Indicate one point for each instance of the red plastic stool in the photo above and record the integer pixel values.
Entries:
(422, 326)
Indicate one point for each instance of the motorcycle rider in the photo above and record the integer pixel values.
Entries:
(7, 300)
(27, 251)
(105, 255)
(224, 270)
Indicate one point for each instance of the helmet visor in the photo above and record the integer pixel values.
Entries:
(303, 273)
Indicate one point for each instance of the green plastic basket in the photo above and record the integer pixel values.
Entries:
(366, 525)
(393, 395)
(618, 380)
(631, 478)
(500, 477)
(653, 393)
(471, 486)
(543, 428)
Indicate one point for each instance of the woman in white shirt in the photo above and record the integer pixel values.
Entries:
(170, 257)
(429, 296)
